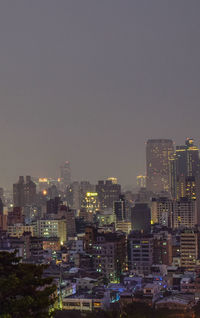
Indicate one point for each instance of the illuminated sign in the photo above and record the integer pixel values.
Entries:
(91, 194)
(43, 180)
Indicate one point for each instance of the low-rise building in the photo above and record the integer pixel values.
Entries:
(86, 283)
(98, 300)
(51, 243)
(180, 302)
(17, 230)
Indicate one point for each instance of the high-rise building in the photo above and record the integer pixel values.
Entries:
(91, 202)
(110, 254)
(140, 252)
(162, 211)
(76, 195)
(185, 173)
(141, 217)
(18, 193)
(53, 191)
(85, 187)
(189, 249)
(124, 226)
(184, 213)
(108, 193)
(162, 248)
(3, 217)
(29, 191)
(113, 180)
(69, 215)
(2, 194)
(190, 188)
(186, 187)
(65, 173)
(1, 206)
(53, 205)
(73, 195)
(184, 164)
(90, 238)
(15, 216)
(158, 154)
(24, 193)
(141, 181)
(120, 209)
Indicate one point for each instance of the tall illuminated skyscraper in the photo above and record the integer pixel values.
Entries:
(65, 173)
(184, 169)
(158, 153)
(185, 173)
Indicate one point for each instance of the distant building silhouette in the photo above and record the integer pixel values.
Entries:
(29, 191)
(18, 193)
(158, 154)
(24, 193)
(53, 205)
(15, 216)
(65, 173)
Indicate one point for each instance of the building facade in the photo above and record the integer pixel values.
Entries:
(158, 154)
(108, 193)
(140, 253)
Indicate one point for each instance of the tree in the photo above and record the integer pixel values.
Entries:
(24, 293)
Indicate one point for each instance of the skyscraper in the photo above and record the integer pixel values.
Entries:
(185, 213)
(189, 249)
(18, 192)
(185, 173)
(162, 211)
(184, 165)
(29, 191)
(65, 173)
(120, 209)
(24, 193)
(75, 186)
(108, 193)
(158, 153)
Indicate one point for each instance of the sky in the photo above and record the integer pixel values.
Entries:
(90, 81)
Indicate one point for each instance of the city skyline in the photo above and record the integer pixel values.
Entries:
(57, 172)
(131, 186)
(100, 159)
(91, 82)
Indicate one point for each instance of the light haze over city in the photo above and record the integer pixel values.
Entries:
(91, 81)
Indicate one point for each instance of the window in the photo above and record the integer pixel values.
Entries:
(86, 304)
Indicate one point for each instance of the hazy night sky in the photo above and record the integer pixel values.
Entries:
(90, 81)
